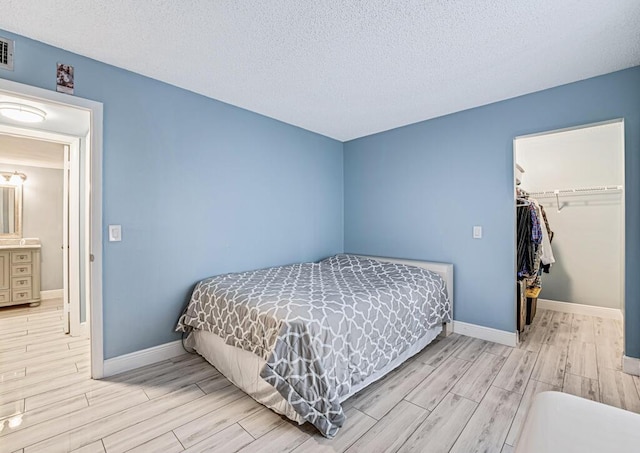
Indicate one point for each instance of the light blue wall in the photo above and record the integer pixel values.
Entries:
(417, 191)
(200, 188)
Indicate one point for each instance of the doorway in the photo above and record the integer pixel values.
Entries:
(576, 176)
(50, 216)
(76, 125)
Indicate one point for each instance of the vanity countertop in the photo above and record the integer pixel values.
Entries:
(26, 243)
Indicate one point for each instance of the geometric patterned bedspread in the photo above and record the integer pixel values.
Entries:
(323, 327)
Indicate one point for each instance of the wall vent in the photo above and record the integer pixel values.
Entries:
(6, 54)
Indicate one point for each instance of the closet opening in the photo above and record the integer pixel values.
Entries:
(570, 215)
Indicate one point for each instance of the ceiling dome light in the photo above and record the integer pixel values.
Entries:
(21, 112)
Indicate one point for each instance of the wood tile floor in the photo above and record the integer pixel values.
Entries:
(459, 395)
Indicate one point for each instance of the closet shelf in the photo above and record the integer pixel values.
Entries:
(577, 191)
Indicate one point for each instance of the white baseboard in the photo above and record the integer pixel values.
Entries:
(485, 333)
(631, 365)
(51, 294)
(166, 351)
(580, 309)
(144, 357)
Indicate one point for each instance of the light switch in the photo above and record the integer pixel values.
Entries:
(115, 233)
(477, 232)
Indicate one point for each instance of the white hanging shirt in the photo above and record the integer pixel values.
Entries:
(547, 252)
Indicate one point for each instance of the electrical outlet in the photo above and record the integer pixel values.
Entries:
(477, 232)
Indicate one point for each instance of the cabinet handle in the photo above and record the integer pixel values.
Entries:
(22, 294)
(22, 282)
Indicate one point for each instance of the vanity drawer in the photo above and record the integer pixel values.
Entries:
(20, 269)
(21, 294)
(20, 257)
(20, 282)
(4, 297)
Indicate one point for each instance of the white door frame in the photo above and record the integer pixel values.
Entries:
(86, 220)
(66, 307)
(74, 237)
(94, 187)
(71, 238)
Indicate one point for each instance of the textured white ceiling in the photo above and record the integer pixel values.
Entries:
(345, 69)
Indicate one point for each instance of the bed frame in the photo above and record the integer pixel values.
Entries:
(445, 270)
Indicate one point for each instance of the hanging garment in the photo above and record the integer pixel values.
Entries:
(547, 267)
(546, 223)
(536, 229)
(546, 256)
(525, 249)
(534, 246)
(537, 235)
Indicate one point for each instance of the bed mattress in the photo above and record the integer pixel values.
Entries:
(243, 369)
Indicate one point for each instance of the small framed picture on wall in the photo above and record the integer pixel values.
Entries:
(64, 78)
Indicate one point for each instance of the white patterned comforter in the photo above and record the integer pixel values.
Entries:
(321, 327)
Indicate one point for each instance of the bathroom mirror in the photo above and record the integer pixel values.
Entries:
(10, 211)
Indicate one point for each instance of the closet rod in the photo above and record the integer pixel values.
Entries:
(578, 191)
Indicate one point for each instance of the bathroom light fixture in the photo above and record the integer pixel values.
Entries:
(21, 112)
(14, 178)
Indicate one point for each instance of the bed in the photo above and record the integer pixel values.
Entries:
(303, 338)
